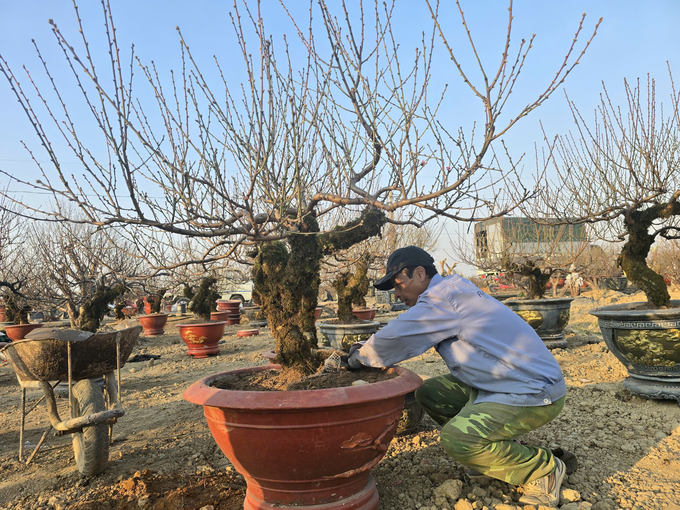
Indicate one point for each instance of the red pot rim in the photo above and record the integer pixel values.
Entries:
(31, 325)
(215, 323)
(149, 315)
(202, 393)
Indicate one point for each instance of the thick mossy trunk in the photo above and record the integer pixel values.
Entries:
(352, 289)
(633, 259)
(92, 312)
(203, 300)
(287, 287)
(15, 311)
(286, 277)
(536, 276)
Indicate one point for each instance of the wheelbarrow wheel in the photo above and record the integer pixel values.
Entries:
(91, 446)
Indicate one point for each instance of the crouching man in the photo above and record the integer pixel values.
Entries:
(503, 381)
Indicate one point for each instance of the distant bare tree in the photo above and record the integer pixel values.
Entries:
(621, 174)
(17, 265)
(664, 258)
(76, 260)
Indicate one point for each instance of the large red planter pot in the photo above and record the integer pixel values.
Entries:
(19, 331)
(309, 449)
(153, 324)
(365, 314)
(201, 339)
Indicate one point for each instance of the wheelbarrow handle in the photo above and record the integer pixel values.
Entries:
(78, 422)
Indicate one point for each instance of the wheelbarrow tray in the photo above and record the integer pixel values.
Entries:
(46, 359)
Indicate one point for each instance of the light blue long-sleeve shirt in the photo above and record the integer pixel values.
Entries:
(484, 344)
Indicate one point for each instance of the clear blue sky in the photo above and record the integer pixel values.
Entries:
(635, 38)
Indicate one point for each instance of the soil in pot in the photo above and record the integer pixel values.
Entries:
(292, 380)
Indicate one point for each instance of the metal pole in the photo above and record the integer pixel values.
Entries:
(70, 380)
(37, 447)
(118, 367)
(23, 422)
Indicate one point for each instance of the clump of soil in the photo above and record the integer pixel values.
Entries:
(291, 379)
(146, 489)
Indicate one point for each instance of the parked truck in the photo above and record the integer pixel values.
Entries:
(241, 291)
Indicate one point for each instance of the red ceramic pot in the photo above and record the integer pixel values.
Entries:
(201, 339)
(317, 313)
(315, 448)
(19, 331)
(154, 323)
(366, 314)
(248, 332)
(221, 316)
(228, 304)
(270, 356)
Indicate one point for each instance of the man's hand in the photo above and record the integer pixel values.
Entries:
(349, 361)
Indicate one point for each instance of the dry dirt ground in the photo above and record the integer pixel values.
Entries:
(163, 456)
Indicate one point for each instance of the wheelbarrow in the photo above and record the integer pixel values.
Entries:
(81, 359)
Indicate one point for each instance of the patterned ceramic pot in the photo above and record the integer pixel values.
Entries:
(647, 342)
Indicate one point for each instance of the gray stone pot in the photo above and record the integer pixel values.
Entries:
(548, 317)
(342, 336)
(618, 283)
(647, 342)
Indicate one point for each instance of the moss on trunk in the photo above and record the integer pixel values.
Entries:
(286, 277)
(633, 257)
(202, 301)
(286, 281)
(93, 311)
(537, 278)
(16, 311)
(156, 300)
(352, 289)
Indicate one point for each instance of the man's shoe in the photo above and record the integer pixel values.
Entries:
(473, 474)
(545, 490)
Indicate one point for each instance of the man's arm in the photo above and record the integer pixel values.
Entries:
(412, 333)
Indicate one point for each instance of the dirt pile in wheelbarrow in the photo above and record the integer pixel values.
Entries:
(628, 448)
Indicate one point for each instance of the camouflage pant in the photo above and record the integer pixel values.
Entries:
(480, 436)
